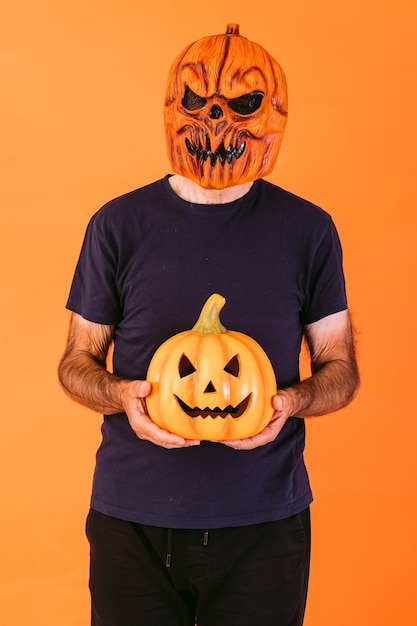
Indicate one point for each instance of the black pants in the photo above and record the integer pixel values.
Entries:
(247, 576)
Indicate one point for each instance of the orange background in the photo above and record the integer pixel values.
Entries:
(82, 87)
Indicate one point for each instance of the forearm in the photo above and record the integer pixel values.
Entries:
(333, 384)
(87, 381)
(84, 376)
(331, 387)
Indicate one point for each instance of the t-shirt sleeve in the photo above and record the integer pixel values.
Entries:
(326, 291)
(93, 293)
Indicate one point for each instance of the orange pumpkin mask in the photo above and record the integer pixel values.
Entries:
(210, 383)
(225, 111)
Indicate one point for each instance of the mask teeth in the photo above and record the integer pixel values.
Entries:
(191, 149)
(222, 154)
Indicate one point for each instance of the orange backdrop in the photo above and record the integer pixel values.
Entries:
(82, 87)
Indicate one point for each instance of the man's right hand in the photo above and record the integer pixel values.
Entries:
(133, 396)
(84, 377)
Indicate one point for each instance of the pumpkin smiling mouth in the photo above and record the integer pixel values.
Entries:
(222, 154)
(232, 411)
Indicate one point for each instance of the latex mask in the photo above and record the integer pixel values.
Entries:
(225, 111)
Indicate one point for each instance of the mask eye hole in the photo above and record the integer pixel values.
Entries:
(233, 366)
(246, 104)
(191, 101)
(185, 368)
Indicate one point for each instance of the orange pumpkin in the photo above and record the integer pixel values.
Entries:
(225, 111)
(210, 383)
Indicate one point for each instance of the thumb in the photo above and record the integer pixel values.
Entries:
(278, 402)
(144, 389)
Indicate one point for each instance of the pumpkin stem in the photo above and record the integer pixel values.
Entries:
(209, 320)
(232, 29)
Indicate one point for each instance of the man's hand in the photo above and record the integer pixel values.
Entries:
(83, 375)
(333, 384)
(133, 394)
(283, 409)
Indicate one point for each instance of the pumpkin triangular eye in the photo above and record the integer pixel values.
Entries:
(185, 367)
(233, 366)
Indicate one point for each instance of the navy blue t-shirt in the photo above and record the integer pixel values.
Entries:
(148, 263)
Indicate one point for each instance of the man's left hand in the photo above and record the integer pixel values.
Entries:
(282, 403)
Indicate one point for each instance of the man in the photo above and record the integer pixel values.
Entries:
(186, 529)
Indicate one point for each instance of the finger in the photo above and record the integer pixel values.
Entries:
(246, 444)
(277, 403)
(144, 388)
(149, 431)
(170, 441)
(267, 435)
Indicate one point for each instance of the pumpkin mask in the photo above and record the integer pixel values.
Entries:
(210, 383)
(225, 111)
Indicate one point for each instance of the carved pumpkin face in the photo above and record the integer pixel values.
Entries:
(210, 383)
(225, 111)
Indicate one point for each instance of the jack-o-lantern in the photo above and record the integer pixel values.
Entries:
(225, 111)
(210, 383)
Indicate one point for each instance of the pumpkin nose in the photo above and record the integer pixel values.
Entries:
(210, 388)
(216, 112)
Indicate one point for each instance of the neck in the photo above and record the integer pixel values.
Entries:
(192, 192)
